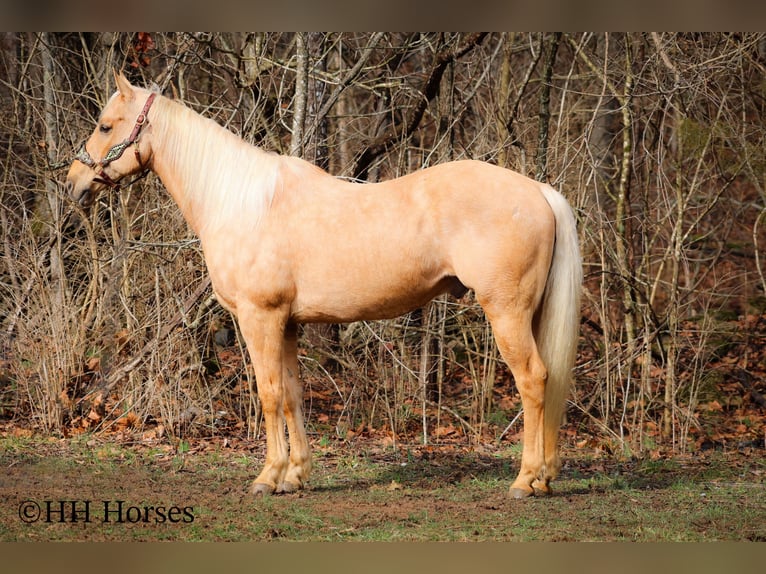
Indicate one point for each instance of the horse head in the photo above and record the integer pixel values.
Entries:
(101, 162)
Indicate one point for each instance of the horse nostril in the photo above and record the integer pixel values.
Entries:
(81, 196)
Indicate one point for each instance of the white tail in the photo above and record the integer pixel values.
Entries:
(558, 323)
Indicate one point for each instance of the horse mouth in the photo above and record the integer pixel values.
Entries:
(83, 197)
(86, 198)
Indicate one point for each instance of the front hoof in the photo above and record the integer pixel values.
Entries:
(520, 493)
(259, 489)
(541, 488)
(288, 487)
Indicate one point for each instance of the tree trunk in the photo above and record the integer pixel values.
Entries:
(54, 204)
(301, 94)
(317, 151)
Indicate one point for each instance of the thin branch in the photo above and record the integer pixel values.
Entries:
(429, 90)
(346, 81)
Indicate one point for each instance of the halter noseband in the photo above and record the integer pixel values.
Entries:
(116, 151)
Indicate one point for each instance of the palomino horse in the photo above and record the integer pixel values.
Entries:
(286, 243)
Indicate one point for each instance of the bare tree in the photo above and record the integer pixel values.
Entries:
(654, 138)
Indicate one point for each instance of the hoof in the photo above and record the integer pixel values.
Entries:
(260, 489)
(541, 489)
(520, 493)
(287, 487)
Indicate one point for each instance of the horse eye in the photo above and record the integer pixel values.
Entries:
(104, 129)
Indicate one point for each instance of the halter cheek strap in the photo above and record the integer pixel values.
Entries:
(116, 151)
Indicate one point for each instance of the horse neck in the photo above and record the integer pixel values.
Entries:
(213, 175)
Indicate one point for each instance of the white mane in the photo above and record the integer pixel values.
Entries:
(220, 175)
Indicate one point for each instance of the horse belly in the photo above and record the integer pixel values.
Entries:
(343, 299)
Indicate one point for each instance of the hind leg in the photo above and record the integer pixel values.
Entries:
(513, 334)
(552, 460)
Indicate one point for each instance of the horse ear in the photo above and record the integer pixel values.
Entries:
(123, 85)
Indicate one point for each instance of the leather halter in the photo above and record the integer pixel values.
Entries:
(116, 151)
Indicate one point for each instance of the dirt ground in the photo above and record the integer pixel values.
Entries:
(91, 490)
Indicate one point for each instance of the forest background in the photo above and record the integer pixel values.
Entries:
(107, 319)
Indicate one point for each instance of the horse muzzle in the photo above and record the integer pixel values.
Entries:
(83, 195)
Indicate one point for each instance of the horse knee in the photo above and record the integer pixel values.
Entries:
(271, 400)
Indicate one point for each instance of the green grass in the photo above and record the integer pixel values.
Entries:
(372, 495)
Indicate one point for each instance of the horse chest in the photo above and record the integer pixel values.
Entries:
(242, 273)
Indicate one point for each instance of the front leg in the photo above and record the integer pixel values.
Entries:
(264, 333)
(300, 452)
